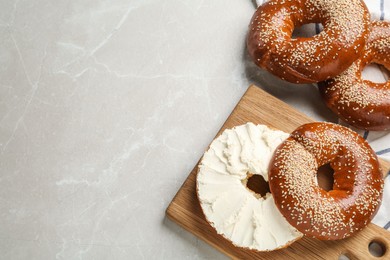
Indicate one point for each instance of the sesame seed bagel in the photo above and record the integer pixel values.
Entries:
(363, 103)
(308, 60)
(357, 187)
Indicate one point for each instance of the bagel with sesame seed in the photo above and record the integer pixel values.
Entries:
(308, 60)
(357, 187)
(363, 103)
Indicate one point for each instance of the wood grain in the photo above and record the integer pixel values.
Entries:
(261, 108)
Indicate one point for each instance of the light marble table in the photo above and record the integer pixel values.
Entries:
(105, 107)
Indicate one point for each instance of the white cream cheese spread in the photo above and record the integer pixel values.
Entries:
(229, 206)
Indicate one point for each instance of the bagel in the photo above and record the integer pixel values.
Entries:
(357, 187)
(242, 216)
(362, 103)
(308, 60)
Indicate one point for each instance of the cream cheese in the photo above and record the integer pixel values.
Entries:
(233, 210)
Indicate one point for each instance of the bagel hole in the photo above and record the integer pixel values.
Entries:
(344, 256)
(306, 30)
(325, 177)
(376, 73)
(257, 185)
(377, 248)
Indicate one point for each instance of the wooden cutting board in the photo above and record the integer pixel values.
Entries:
(261, 108)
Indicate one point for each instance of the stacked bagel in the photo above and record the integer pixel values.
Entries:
(334, 58)
(295, 205)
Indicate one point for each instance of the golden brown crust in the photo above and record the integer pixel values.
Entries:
(357, 188)
(307, 60)
(362, 103)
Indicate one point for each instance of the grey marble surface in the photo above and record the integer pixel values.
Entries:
(105, 107)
